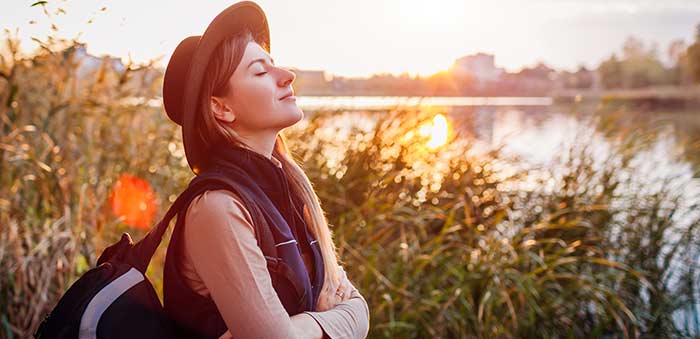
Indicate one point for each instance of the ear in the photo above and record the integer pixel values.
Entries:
(220, 110)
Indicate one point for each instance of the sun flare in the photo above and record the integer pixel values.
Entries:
(437, 130)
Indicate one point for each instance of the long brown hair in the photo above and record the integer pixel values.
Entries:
(216, 82)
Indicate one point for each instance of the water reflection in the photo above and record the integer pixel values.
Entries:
(530, 126)
(536, 134)
(383, 102)
(437, 131)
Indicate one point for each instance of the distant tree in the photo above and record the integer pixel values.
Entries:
(641, 67)
(676, 50)
(693, 55)
(610, 72)
(541, 71)
(678, 59)
(638, 67)
(632, 48)
(442, 83)
(583, 78)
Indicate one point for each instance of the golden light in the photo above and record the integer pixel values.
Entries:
(438, 131)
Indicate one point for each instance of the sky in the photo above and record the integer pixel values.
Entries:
(357, 38)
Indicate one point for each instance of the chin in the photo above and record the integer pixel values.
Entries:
(291, 117)
(301, 114)
(296, 114)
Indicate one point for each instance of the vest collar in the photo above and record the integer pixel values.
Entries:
(266, 172)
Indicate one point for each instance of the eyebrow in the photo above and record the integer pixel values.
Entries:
(260, 60)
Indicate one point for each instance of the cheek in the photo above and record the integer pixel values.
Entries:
(256, 91)
(251, 97)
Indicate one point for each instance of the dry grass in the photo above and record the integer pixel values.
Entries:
(442, 243)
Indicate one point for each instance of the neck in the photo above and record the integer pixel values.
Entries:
(262, 145)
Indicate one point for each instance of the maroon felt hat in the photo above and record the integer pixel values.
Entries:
(185, 71)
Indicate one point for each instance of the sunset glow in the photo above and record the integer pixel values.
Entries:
(361, 38)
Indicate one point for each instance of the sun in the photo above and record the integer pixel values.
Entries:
(437, 130)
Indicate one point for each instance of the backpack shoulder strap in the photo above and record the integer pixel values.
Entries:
(140, 254)
(264, 236)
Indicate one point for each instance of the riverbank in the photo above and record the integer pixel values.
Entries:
(650, 98)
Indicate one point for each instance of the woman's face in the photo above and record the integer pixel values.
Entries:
(253, 103)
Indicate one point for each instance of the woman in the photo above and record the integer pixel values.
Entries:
(232, 102)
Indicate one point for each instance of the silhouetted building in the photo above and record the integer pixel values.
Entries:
(480, 67)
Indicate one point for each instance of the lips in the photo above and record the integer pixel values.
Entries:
(288, 94)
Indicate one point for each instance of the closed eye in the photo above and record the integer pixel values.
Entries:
(261, 73)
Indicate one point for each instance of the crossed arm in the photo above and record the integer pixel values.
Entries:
(221, 246)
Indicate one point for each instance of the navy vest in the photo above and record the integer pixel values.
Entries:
(281, 232)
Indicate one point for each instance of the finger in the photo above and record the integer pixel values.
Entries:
(342, 286)
(349, 288)
(344, 290)
(341, 280)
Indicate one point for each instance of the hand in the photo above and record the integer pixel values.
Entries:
(345, 289)
(336, 293)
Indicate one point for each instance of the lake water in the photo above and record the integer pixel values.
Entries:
(532, 127)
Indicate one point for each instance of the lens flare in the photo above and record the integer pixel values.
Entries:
(133, 199)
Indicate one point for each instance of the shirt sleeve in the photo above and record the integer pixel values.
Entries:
(221, 244)
(348, 319)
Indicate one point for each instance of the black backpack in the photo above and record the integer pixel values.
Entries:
(115, 299)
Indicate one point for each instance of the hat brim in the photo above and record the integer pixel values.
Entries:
(175, 77)
(229, 21)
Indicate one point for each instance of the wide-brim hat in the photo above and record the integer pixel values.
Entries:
(183, 77)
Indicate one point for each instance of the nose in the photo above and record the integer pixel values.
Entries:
(286, 78)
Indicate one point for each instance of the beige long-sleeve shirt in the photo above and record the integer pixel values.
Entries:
(223, 261)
